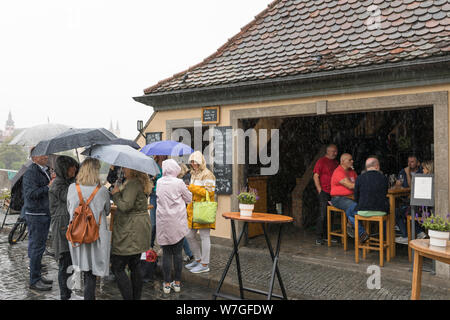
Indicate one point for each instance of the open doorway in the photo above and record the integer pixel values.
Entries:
(390, 135)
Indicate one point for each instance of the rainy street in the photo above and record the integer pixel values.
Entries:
(289, 149)
(15, 280)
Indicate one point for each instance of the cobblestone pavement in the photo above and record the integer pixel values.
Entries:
(14, 280)
(309, 272)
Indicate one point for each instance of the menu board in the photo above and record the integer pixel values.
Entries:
(151, 137)
(210, 115)
(422, 190)
(223, 151)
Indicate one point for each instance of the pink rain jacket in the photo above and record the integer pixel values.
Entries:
(172, 198)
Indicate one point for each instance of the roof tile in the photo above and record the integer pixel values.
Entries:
(283, 40)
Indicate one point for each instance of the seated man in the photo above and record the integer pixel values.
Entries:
(404, 177)
(342, 185)
(404, 180)
(370, 191)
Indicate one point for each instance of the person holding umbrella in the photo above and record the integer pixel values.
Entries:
(131, 231)
(158, 159)
(202, 181)
(35, 185)
(66, 170)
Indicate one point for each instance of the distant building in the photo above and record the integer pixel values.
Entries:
(116, 131)
(9, 128)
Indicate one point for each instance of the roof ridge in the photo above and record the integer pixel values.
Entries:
(218, 51)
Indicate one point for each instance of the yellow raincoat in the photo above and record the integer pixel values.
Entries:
(201, 180)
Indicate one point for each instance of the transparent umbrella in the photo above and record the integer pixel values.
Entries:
(123, 156)
(31, 136)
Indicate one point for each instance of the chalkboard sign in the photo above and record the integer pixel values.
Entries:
(223, 167)
(210, 115)
(151, 137)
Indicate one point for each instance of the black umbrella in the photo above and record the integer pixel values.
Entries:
(20, 173)
(122, 141)
(72, 139)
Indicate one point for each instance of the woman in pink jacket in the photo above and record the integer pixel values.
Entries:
(171, 221)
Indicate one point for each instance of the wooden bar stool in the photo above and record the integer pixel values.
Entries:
(373, 243)
(342, 233)
(408, 228)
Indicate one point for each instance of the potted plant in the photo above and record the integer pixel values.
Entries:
(247, 200)
(438, 228)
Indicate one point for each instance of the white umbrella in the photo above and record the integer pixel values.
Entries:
(123, 156)
(31, 136)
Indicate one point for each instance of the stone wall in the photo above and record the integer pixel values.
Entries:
(4, 181)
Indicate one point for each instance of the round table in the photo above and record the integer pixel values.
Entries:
(422, 249)
(258, 218)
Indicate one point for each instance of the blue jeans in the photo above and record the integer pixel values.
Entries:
(349, 206)
(38, 227)
(400, 220)
(153, 218)
(187, 249)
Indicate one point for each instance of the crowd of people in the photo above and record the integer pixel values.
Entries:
(52, 200)
(338, 184)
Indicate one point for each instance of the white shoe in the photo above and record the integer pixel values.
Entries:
(200, 269)
(396, 228)
(401, 240)
(166, 288)
(175, 287)
(421, 235)
(191, 265)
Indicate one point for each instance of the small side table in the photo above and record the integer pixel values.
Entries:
(259, 218)
(422, 249)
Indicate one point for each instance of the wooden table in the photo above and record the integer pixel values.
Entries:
(422, 249)
(393, 194)
(113, 210)
(262, 218)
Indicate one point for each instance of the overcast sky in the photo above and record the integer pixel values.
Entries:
(80, 62)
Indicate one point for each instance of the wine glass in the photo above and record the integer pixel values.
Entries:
(392, 180)
(401, 178)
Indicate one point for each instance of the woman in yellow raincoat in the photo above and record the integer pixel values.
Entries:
(202, 180)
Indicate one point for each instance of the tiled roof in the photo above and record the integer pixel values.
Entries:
(294, 37)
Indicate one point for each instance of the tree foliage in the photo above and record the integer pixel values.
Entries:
(12, 157)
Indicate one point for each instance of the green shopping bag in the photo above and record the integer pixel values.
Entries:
(205, 211)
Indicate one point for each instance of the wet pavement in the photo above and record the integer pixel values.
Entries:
(309, 272)
(14, 280)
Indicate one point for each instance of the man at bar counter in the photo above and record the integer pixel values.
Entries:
(323, 170)
(342, 186)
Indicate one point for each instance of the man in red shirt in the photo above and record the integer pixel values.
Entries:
(342, 186)
(323, 170)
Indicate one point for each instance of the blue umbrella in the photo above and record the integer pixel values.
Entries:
(166, 148)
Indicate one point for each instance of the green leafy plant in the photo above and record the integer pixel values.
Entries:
(436, 223)
(248, 197)
(5, 194)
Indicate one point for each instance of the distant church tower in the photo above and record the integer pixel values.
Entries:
(115, 131)
(9, 126)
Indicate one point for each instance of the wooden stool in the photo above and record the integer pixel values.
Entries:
(339, 233)
(373, 243)
(408, 228)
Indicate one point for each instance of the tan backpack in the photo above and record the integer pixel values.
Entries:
(83, 228)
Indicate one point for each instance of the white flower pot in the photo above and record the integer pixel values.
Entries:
(246, 209)
(438, 238)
